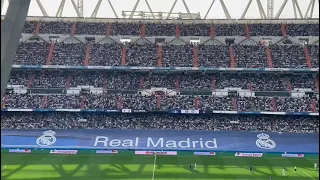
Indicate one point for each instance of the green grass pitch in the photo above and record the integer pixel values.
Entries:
(139, 167)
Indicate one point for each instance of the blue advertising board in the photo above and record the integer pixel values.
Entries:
(161, 139)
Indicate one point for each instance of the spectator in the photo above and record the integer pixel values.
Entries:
(214, 122)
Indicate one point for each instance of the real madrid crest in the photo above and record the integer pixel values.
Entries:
(264, 142)
(47, 138)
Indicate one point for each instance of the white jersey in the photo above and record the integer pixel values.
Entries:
(195, 165)
(315, 165)
(283, 172)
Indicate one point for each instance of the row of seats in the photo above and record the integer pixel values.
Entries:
(134, 101)
(164, 29)
(215, 122)
(176, 81)
(147, 55)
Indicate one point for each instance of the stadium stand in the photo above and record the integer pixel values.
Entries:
(246, 56)
(265, 29)
(216, 122)
(91, 28)
(105, 54)
(166, 29)
(145, 55)
(302, 29)
(167, 103)
(89, 89)
(70, 54)
(185, 81)
(213, 56)
(314, 55)
(160, 29)
(52, 27)
(32, 53)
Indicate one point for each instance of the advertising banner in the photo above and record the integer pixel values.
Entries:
(293, 155)
(164, 153)
(63, 151)
(20, 150)
(204, 153)
(161, 140)
(106, 151)
(248, 154)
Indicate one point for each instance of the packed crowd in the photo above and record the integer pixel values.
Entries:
(105, 54)
(192, 30)
(91, 28)
(51, 27)
(288, 56)
(133, 101)
(314, 55)
(302, 104)
(251, 56)
(147, 54)
(119, 84)
(163, 29)
(32, 53)
(69, 54)
(177, 55)
(216, 103)
(175, 81)
(101, 101)
(168, 29)
(213, 56)
(266, 30)
(255, 104)
(216, 122)
(303, 30)
(164, 102)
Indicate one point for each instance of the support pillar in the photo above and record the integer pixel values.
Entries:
(121, 102)
(87, 58)
(196, 105)
(308, 59)
(123, 56)
(141, 82)
(269, 57)
(4, 101)
(143, 30)
(10, 35)
(213, 83)
(159, 55)
(50, 54)
(234, 104)
(73, 30)
(108, 29)
(274, 105)
(212, 31)
(158, 102)
(231, 54)
(177, 84)
(105, 81)
(44, 102)
(195, 57)
(178, 31)
(247, 31)
(284, 30)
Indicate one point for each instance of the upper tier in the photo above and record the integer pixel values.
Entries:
(164, 29)
(168, 55)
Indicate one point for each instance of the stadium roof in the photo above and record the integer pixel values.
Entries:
(174, 9)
